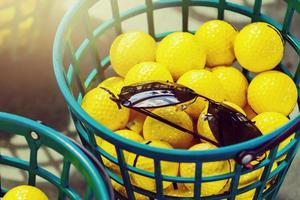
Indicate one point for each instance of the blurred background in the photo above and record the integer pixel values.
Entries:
(27, 82)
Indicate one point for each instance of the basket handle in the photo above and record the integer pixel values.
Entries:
(246, 157)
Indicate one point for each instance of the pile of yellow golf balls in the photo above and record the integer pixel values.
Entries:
(205, 62)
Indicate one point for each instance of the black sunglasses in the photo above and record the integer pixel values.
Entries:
(228, 125)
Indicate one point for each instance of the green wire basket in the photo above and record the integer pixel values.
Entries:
(75, 78)
(38, 136)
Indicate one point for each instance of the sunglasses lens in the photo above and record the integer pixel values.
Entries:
(152, 99)
(230, 126)
(154, 95)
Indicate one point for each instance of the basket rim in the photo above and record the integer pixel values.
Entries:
(65, 144)
(107, 134)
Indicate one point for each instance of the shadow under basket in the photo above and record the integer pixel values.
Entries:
(75, 78)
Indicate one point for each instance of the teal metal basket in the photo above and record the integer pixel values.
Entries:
(38, 136)
(75, 79)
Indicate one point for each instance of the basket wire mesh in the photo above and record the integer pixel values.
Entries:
(38, 136)
(74, 82)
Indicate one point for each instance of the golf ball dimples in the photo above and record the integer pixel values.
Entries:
(272, 91)
(259, 47)
(100, 107)
(218, 37)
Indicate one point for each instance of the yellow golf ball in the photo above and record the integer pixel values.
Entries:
(217, 36)
(156, 130)
(180, 52)
(208, 169)
(100, 107)
(205, 83)
(147, 71)
(129, 49)
(247, 179)
(25, 192)
(114, 84)
(272, 91)
(234, 84)
(136, 122)
(267, 122)
(259, 47)
(249, 195)
(147, 164)
(111, 150)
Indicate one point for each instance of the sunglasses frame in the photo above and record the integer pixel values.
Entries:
(185, 94)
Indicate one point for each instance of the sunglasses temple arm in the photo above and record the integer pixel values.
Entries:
(269, 145)
(157, 117)
(113, 96)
